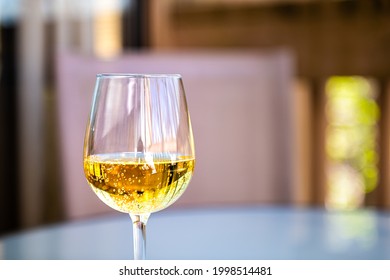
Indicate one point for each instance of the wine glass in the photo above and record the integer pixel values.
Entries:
(139, 151)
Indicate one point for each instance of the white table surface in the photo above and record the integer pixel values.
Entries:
(252, 232)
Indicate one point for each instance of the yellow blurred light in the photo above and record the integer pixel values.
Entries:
(352, 114)
(107, 29)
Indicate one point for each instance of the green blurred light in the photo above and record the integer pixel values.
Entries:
(352, 115)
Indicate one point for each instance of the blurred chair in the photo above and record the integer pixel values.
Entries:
(240, 106)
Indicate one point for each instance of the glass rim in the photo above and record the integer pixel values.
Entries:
(136, 75)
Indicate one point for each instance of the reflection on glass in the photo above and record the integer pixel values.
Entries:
(357, 229)
(352, 114)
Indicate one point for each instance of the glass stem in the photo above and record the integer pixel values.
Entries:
(139, 235)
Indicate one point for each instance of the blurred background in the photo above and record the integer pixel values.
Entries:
(296, 90)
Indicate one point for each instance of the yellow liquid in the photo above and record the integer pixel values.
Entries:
(137, 184)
